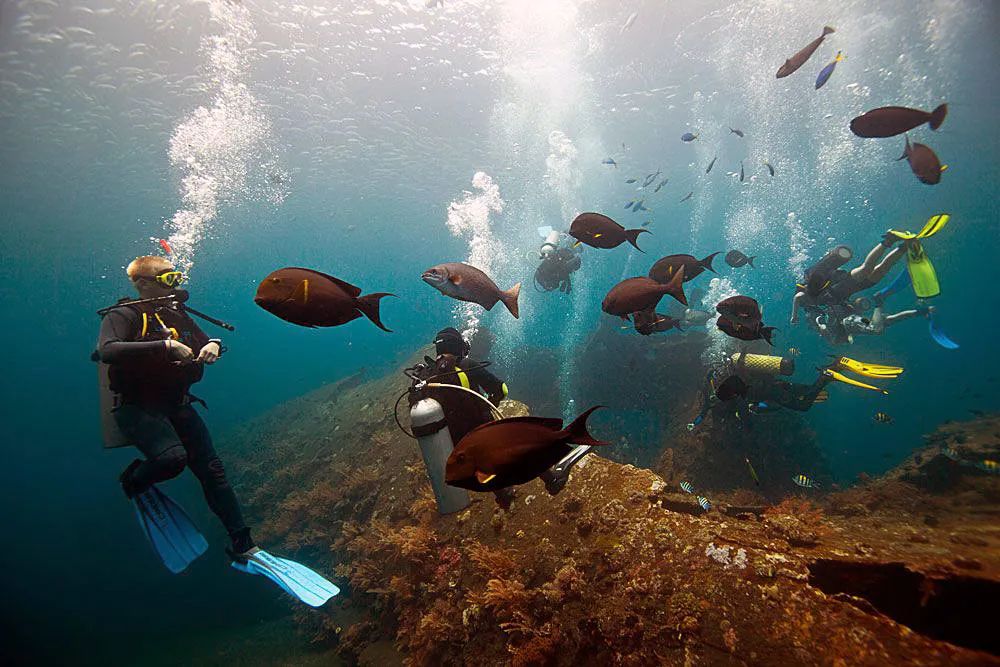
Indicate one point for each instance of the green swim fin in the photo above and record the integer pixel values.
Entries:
(933, 225)
(922, 274)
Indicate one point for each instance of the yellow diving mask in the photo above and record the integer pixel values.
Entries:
(170, 278)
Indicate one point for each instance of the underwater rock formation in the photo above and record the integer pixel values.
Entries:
(621, 567)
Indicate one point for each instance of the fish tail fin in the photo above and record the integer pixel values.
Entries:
(368, 305)
(827, 30)
(937, 116)
(906, 150)
(767, 333)
(707, 262)
(750, 261)
(577, 431)
(632, 235)
(675, 287)
(509, 299)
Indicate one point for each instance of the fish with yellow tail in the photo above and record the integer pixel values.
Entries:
(805, 482)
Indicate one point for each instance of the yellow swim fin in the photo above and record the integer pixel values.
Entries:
(869, 370)
(923, 277)
(934, 225)
(905, 236)
(840, 377)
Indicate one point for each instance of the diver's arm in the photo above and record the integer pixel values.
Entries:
(495, 388)
(116, 342)
(796, 304)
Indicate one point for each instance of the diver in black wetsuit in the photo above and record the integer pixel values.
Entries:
(155, 352)
(558, 262)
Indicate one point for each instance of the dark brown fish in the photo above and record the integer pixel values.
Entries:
(741, 309)
(635, 294)
(890, 121)
(664, 268)
(467, 283)
(730, 388)
(923, 161)
(800, 58)
(649, 321)
(514, 451)
(313, 299)
(600, 231)
(755, 331)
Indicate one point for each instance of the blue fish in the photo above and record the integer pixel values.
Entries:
(805, 482)
(639, 207)
(650, 178)
(608, 160)
(662, 183)
(824, 74)
(686, 487)
(688, 196)
(687, 136)
(629, 204)
(711, 164)
(703, 501)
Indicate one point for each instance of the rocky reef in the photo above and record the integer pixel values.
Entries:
(622, 567)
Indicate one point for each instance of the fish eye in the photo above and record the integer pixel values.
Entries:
(275, 280)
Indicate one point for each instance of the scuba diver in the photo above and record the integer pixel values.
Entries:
(842, 331)
(463, 412)
(149, 353)
(754, 378)
(557, 263)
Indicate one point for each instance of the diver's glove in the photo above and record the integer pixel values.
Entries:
(209, 353)
(178, 351)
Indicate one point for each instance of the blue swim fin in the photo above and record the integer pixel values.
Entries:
(901, 282)
(173, 535)
(294, 578)
(939, 336)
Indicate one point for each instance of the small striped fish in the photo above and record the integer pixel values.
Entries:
(703, 501)
(805, 482)
(882, 418)
(990, 466)
(950, 453)
(686, 487)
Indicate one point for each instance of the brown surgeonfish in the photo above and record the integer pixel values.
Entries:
(649, 321)
(635, 294)
(755, 331)
(514, 451)
(665, 267)
(800, 58)
(600, 231)
(741, 309)
(467, 283)
(313, 299)
(890, 121)
(923, 161)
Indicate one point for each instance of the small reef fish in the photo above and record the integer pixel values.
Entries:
(800, 58)
(630, 181)
(746, 332)
(664, 268)
(609, 161)
(882, 418)
(514, 451)
(805, 482)
(990, 466)
(694, 317)
(741, 171)
(741, 309)
(687, 136)
(923, 162)
(313, 299)
(951, 453)
(769, 168)
(753, 473)
(628, 22)
(646, 223)
(687, 196)
(686, 487)
(650, 178)
(648, 322)
(711, 164)
(600, 231)
(890, 121)
(736, 259)
(738, 133)
(731, 387)
(636, 294)
(794, 352)
(166, 247)
(467, 283)
(639, 206)
(703, 501)
(629, 205)
(824, 74)
(660, 185)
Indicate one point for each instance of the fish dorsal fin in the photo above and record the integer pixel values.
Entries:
(301, 293)
(346, 286)
(548, 422)
(483, 478)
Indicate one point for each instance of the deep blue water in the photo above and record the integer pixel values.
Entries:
(337, 138)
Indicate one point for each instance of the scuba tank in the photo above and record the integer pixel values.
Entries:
(831, 261)
(763, 364)
(431, 429)
(550, 243)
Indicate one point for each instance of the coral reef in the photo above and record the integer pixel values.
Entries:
(622, 567)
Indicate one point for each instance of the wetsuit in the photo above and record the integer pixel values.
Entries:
(791, 395)
(555, 269)
(463, 411)
(153, 408)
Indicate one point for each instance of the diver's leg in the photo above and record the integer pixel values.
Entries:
(801, 396)
(208, 468)
(864, 271)
(902, 315)
(880, 271)
(156, 438)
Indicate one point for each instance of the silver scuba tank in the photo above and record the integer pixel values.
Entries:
(431, 428)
